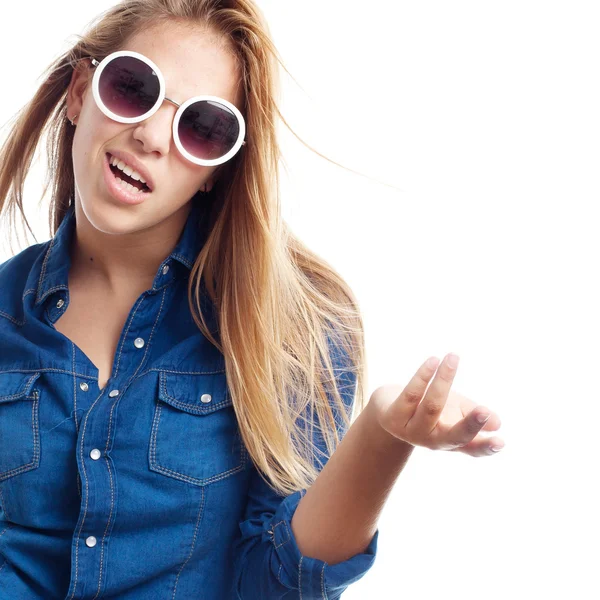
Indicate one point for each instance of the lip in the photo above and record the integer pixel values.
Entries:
(135, 164)
(117, 191)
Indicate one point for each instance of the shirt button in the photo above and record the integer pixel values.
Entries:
(139, 343)
(205, 398)
(90, 541)
(113, 393)
(84, 386)
(165, 269)
(60, 303)
(95, 454)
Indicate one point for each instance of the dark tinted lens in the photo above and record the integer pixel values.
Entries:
(208, 129)
(129, 87)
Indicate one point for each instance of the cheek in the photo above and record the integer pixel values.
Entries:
(92, 137)
(189, 176)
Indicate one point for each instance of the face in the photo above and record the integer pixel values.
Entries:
(193, 62)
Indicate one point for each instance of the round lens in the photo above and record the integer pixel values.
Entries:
(129, 87)
(208, 130)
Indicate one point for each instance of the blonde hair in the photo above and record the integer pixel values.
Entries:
(295, 337)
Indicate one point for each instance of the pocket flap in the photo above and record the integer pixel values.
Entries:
(195, 394)
(14, 386)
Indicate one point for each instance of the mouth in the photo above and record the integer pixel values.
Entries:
(133, 182)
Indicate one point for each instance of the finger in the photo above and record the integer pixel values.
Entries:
(403, 408)
(466, 429)
(427, 415)
(481, 446)
(492, 424)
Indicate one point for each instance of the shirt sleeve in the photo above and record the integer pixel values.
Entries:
(267, 560)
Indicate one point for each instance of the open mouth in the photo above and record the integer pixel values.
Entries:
(127, 181)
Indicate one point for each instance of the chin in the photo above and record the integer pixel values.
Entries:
(110, 218)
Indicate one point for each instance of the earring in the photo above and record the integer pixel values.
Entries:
(73, 120)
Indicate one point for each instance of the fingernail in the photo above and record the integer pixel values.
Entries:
(453, 360)
(496, 448)
(482, 418)
(432, 362)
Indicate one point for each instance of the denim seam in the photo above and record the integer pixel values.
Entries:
(43, 271)
(54, 289)
(183, 259)
(49, 370)
(175, 474)
(108, 438)
(198, 519)
(130, 320)
(18, 395)
(36, 440)
(11, 318)
(163, 370)
(75, 408)
(151, 336)
(325, 597)
(86, 493)
(112, 503)
(189, 406)
(300, 576)
(286, 531)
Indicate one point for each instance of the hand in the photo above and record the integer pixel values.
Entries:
(435, 417)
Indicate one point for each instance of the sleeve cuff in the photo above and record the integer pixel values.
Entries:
(313, 577)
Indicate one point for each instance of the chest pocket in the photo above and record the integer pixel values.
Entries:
(19, 424)
(195, 436)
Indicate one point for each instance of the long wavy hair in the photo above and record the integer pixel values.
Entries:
(296, 317)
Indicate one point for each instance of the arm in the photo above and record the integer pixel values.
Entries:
(268, 560)
(352, 488)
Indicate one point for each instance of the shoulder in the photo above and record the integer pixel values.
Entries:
(21, 263)
(20, 273)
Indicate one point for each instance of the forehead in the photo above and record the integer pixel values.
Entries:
(193, 61)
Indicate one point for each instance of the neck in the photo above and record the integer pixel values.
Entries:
(120, 263)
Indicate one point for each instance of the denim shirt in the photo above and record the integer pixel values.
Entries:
(142, 490)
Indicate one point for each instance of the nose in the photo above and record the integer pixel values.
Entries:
(156, 132)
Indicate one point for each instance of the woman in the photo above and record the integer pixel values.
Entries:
(176, 369)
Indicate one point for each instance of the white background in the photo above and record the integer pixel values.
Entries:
(481, 122)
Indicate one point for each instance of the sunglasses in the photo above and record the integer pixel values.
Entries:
(128, 87)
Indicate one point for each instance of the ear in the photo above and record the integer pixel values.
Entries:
(78, 88)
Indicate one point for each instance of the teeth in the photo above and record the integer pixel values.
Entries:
(128, 186)
(126, 169)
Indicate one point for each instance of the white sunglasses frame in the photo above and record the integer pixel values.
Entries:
(161, 98)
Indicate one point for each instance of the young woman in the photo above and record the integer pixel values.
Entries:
(177, 371)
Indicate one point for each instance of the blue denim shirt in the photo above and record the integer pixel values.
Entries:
(142, 490)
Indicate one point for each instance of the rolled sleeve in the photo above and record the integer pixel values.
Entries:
(268, 562)
(270, 565)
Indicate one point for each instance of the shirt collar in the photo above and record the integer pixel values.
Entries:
(54, 273)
